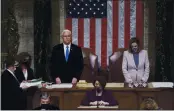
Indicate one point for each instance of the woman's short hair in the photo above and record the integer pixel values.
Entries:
(151, 102)
(24, 57)
(134, 40)
(101, 80)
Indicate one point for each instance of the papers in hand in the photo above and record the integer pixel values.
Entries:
(62, 85)
(30, 84)
(160, 85)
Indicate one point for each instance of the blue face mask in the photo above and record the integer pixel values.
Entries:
(135, 49)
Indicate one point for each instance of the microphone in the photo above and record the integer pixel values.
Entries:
(97, 104)
(97, 99)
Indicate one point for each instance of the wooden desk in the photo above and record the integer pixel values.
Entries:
(128, 98)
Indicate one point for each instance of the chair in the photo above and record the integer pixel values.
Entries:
(115, 66)
(90, 65)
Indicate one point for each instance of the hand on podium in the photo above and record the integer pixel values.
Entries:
(74, 80)
(143, 84)
(130, 85)
(58, 81)
(102, 103)
(93, 103)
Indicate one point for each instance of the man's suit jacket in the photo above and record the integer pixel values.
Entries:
(63, 69)
(20, 76)
(13, 97)
(131, 72)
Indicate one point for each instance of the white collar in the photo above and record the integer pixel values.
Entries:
(10, 72)
(69, 45)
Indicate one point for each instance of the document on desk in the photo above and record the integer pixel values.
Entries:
(160, 85)
(30, 84)
(62, 85)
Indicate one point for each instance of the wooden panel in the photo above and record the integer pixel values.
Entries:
(54, 100)
(60, 99)
(165, 99)
(73, 99)
(126, 100)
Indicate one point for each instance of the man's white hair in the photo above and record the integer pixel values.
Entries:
(66, 30)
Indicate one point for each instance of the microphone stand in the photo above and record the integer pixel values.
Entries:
(97, 101)
(97, 105)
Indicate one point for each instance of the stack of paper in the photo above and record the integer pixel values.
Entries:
(160, 85)
(62, 85)
(108, 85)
(30, 84)
(112, 85)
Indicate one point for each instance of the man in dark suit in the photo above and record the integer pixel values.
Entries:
(66, 61)
(13, 97)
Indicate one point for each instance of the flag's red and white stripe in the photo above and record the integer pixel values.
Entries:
(105, 35)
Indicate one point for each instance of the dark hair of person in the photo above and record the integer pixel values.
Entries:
(24, 58)
(134, 40)
(10, 61)
(101, 80)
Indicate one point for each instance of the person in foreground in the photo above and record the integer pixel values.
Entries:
(45, 103)
(13, 97)
(149, 104)
(135, 65)
(99, 96)
(66, 63)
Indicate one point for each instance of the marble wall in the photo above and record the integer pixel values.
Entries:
(24, 17)
(58, 20)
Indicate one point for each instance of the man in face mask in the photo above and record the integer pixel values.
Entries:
(98, 88)
(45, 103)
(99, 96)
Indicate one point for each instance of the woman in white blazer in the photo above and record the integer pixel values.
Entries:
(135, 65)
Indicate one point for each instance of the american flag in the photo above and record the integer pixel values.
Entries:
(104, 25)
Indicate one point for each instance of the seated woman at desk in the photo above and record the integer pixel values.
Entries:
(99, 96)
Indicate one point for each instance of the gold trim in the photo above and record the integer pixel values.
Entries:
(4, 54)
